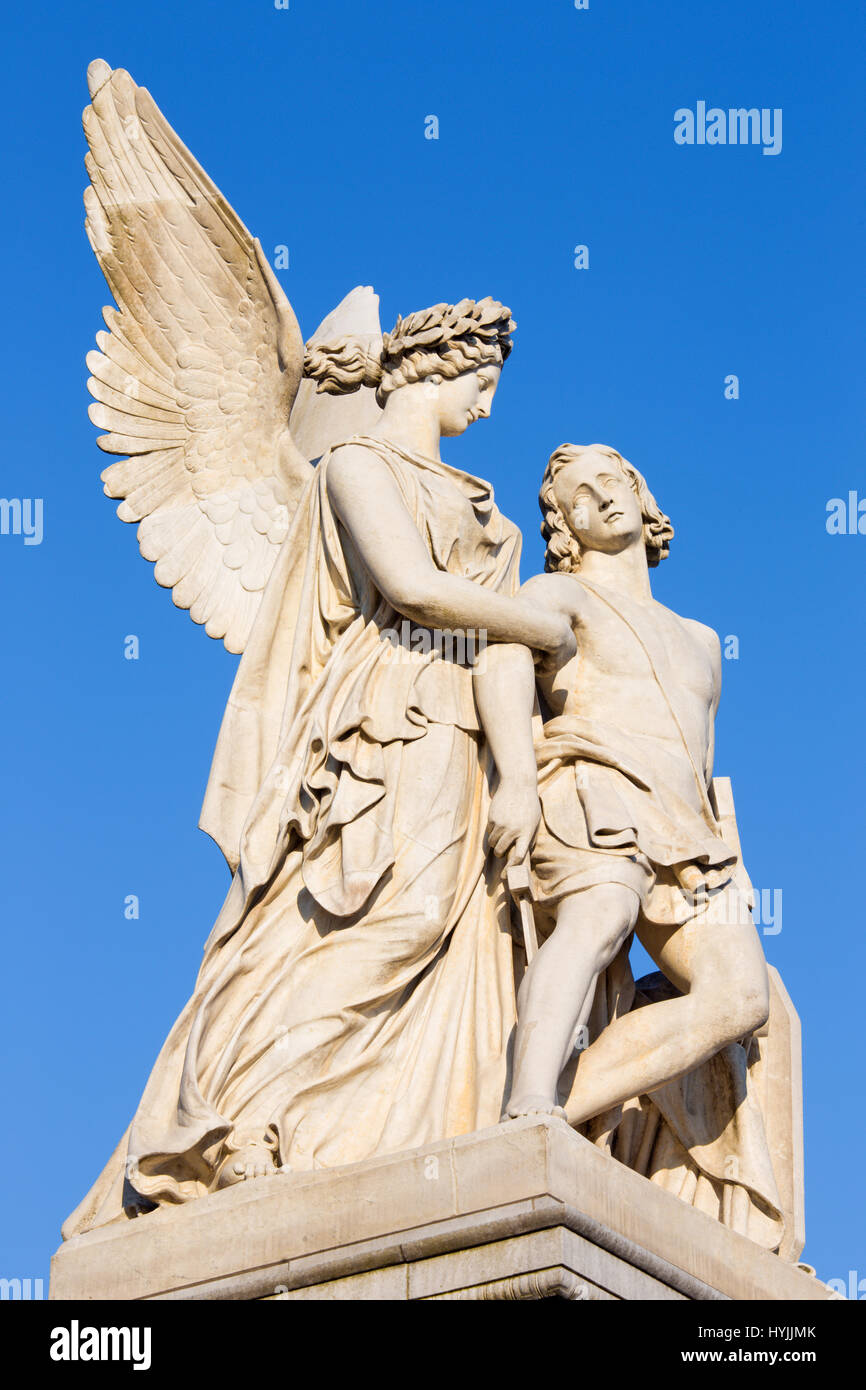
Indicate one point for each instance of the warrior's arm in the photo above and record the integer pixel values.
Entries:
(505, 695)
(504, 682)
(716, 657)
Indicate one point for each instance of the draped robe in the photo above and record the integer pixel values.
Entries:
(357, 993)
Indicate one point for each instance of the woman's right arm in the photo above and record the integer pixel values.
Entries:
(368, 502)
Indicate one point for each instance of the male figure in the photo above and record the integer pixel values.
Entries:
(616, 795)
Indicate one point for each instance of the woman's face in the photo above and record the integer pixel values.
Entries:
(466, 398)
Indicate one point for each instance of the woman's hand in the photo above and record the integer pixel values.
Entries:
(514, 815)
(567, 645)
(554, 658)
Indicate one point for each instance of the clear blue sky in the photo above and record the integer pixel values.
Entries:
(556, 129)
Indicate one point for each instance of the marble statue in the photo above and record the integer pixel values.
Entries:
(615, 796)
(359, 990)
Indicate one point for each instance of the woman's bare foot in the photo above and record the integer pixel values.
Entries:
(532, 1105)
(254, 1160)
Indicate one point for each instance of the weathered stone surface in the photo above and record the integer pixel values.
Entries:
(506, 1204)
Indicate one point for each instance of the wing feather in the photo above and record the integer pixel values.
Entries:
(196, 377)
(129, 402)
(127, 358)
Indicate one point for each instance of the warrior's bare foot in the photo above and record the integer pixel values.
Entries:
(532, 1105)
(251, 1161)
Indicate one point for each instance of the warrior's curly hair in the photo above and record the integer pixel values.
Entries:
(445, 340)
(563, 549)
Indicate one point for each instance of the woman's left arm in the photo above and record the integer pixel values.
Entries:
(368, 502)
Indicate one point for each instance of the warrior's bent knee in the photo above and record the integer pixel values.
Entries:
(751, 1008)
(741, 1010)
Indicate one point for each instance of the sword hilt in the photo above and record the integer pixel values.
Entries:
(519, 881)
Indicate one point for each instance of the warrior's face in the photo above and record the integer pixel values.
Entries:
(599, 504)
(466, 398)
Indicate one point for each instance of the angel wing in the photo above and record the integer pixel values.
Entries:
(197, 377)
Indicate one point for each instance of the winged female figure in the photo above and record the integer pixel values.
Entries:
(356, 995)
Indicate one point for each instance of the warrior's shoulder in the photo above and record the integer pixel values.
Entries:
(551, 587)
(707, 636)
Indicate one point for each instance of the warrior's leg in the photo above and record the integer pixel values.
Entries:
(590, 928)
(717, 960)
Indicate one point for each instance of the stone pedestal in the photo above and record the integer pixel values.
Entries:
(528, 1209)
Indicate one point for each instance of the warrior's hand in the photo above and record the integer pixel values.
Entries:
(515, 812)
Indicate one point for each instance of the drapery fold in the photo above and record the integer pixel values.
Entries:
(357, 993)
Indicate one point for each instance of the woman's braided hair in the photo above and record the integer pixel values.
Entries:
(563, 548)
(445, 340)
